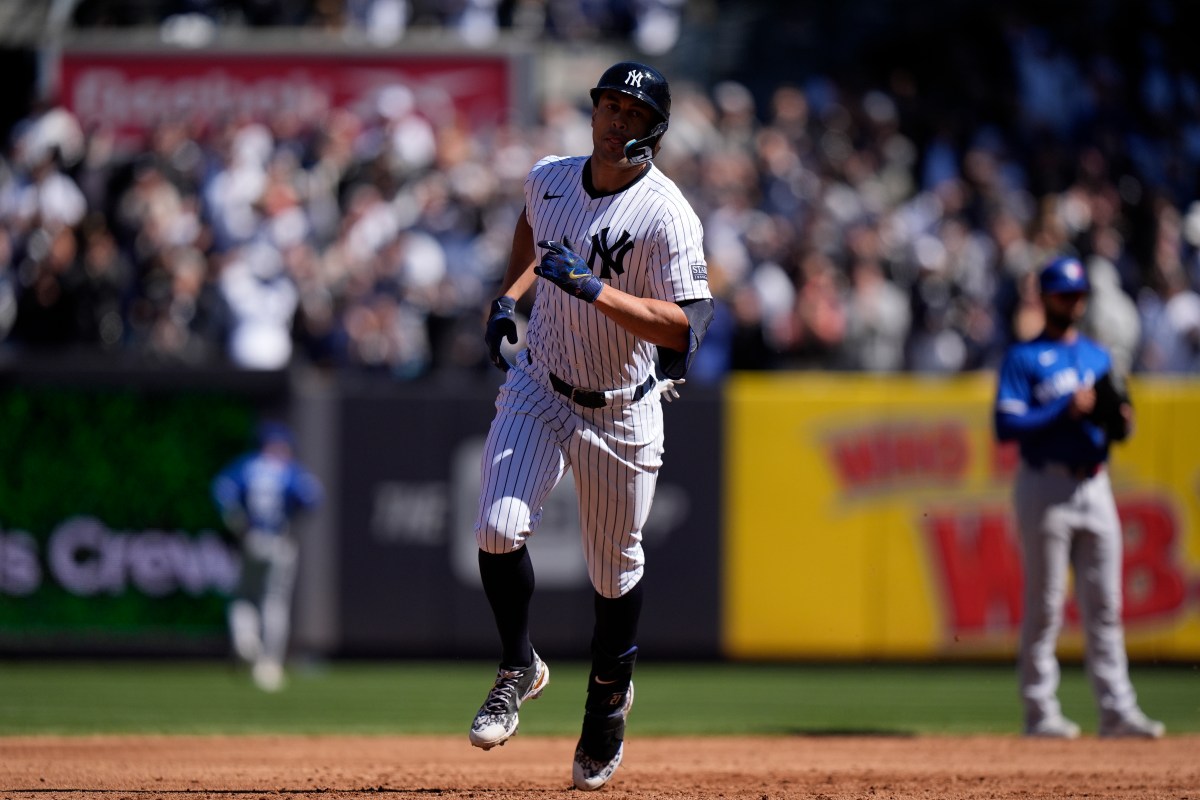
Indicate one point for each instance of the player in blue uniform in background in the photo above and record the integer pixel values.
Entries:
(258, 495)
(1046, 401)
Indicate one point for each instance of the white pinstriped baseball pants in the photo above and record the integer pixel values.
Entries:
(1064, 522)
(614, 453)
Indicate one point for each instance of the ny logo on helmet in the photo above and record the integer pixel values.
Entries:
(634, 78)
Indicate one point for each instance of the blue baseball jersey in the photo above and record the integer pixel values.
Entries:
(1037, 381)
(267, 490)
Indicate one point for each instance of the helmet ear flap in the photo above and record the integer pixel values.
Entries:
(639, 151)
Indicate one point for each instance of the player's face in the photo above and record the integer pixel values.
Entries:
(616, 119)
(1065, 308)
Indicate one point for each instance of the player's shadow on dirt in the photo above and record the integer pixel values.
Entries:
(848, 732)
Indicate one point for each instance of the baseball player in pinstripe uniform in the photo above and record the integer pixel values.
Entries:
(623, 285)
(1050, 400)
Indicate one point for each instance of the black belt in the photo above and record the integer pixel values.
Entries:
(589, 398)
(1084, 470)
(1077, 471)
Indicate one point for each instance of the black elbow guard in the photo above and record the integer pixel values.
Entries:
(699, 314)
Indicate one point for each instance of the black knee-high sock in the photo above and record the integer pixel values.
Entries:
(614, 653)
(508, 583)
(616, 628)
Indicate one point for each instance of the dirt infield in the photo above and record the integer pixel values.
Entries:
(744, 768)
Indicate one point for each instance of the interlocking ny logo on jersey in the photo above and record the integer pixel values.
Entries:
(634, 78)
(612, 256)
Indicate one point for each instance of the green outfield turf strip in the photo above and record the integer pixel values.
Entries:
(76, 698)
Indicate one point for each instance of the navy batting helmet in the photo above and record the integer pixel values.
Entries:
(1063, 275)
(646, 84)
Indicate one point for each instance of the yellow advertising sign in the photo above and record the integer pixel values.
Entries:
(871, 517)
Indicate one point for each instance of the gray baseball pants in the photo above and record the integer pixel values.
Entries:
(1065, 520)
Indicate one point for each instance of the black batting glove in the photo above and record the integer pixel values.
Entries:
(501, 325)
(567, 271)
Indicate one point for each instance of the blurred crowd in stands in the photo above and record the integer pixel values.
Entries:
(837, 239)
(653, 26)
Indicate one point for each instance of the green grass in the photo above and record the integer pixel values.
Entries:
(76, 698)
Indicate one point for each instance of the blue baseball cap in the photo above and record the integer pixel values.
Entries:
(1064, 275)
(275, 432)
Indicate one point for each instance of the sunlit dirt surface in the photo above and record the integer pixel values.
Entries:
(753, 768)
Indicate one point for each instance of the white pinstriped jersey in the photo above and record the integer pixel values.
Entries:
(644, 240)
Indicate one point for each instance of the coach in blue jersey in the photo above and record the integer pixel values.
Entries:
(615, 256)
(1046, 401)
(258, 494)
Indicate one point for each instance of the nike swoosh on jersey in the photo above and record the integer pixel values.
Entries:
(548, 196)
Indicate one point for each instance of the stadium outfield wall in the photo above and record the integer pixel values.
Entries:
(799, 516)
(869, 517)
